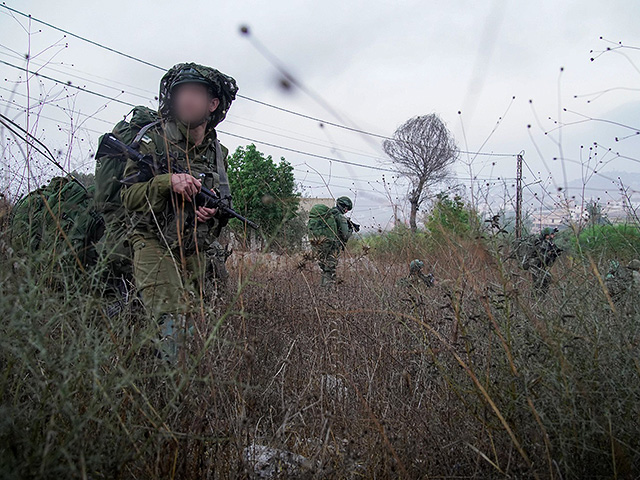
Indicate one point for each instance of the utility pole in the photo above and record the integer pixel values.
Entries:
(519, 196)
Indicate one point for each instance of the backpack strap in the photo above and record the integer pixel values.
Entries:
(136, 141)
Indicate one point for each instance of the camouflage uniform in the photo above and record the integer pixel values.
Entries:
(416, 282)
(330, 239)
(113, 247)
(545, 254)
(623, 284)
(416, 276)
(171, 249)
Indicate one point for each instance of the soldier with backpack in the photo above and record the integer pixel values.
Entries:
(545, 253)
(538, 254)
(57, 224)
(416, 276)
(623, 285)
(113, 246)
(172, 239)
(329, 231)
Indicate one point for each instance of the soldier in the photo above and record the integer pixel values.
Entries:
(412, 287)
(545, 253)
(329, 231)
(417, 276)
(623, 284)
(173, 238)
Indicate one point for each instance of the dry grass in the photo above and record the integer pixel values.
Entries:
(474, 378)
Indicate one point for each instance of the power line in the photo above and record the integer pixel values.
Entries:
(79, 37)
(67, 84)
(337, 160)
(244, 97)
(86, 90)
(235, 123)
(23, 109)
(44, 65)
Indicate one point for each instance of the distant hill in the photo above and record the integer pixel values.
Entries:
(600, 183)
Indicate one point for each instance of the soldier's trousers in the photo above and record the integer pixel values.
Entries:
(327, 254)
(165, 281)
(541, 279)
(163, 278)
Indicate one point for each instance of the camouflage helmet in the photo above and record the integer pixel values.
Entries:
(344, 203)
(634, 265)
(416, 265)
(547, 231)
(221, 86)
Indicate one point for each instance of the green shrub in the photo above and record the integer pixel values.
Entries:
(610, 241)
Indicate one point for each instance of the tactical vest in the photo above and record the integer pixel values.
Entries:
(176, 225)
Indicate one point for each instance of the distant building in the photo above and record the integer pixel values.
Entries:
(307, 202)
(545, 218)
(612, 212)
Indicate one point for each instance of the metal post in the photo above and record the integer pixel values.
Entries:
(519, 197)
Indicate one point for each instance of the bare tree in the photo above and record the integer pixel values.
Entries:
(422, 149)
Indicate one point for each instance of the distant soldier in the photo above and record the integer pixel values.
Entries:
(329, 231)
(623, 284)
(634, 266)
(412, 287)
(416, 276)
(544, 255)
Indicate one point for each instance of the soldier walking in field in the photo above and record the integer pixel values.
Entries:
(329, 231)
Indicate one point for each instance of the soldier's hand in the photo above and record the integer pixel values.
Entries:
(204, 214)
(185, 185)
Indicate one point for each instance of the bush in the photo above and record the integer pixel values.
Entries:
(450, 216)
(398, 243)
(611, 241)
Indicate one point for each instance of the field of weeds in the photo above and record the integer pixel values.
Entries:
(476, 377)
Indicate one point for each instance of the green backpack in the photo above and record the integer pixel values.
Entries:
(322, 223)
(109, 170)
(58, 219)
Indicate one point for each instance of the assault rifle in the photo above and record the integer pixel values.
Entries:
(112, 147)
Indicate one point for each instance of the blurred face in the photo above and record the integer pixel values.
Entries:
(193, 104)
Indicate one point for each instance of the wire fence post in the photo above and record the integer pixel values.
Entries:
(519, 196)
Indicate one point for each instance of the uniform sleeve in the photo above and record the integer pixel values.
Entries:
(145, 196)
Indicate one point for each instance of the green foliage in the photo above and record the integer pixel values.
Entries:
(449, 216)
(264, 191)
(398, 243)
(609, 241)
(59, 217)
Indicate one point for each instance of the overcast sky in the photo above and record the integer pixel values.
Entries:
(374, 63)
